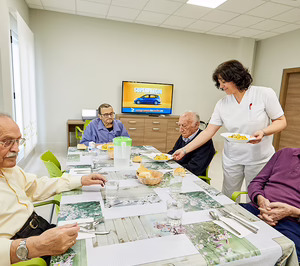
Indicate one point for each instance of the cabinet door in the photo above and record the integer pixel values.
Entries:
(156, 133)
(173, 133)
(135, 128)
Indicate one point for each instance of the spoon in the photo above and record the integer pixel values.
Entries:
(216, 217)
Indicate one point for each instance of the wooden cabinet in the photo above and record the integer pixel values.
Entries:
(160, 132)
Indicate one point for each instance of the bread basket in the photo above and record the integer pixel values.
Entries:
(150, 178)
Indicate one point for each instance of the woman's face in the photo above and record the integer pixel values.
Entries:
(228, 87)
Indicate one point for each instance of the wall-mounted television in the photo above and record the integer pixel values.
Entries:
(147, 98)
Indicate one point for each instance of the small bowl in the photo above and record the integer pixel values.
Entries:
(156, 178)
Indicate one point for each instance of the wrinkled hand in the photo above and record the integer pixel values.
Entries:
(258, 135)
(93, 179)
(57, 240)
(264, 206)
(263, 203)
(177, 155)
(278, 211)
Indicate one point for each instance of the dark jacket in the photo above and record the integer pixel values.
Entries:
(198, 160)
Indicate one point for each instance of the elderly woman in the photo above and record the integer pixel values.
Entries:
(245, 109)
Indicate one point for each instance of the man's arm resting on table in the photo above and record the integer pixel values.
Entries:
(52, 242)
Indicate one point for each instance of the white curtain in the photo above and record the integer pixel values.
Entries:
(27, 73)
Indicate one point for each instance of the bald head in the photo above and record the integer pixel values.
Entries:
(189, 123)
(9, 130)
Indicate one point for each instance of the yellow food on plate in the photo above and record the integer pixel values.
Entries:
(104, 147)
(161, 157)
(179, 171)
(137, 159)
(238, 137)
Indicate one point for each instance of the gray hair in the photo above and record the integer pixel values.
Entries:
(103, 105)
(195, 115)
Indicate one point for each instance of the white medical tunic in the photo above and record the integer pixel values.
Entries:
(253, 113)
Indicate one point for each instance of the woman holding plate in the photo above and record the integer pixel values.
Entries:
(246, 110)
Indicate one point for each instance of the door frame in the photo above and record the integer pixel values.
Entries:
(282, 97)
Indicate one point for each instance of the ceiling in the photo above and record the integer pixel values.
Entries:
(258, 19)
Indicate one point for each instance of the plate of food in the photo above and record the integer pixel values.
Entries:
(237, 137)
(159, 157)
(104, 146)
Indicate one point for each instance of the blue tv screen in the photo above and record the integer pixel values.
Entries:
(147, 97)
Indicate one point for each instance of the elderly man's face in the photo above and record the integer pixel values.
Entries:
(187, 126)
(9, 130)
(107, 116)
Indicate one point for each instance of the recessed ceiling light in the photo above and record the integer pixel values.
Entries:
(206, 3)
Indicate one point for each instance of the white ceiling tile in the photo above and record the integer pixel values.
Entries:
(289, 16)
(122, 12)
(119, 19)
(151, 17)
(59, 5)
(248, 32)
(268, 24)
(107, 2)
(287, 28)
(288, 2)
(60, 10)
(240, 6)
(92, 15)
(244, 21)
(268, 10)
(162, 6)
(265, 35)
(225, 29)
(202, 25)
(34, 2)
(219, 16)
(137, 4)
(179, 22)
(191, 11)
(35, 6)
(87, 7)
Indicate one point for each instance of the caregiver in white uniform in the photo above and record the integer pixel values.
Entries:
(247, 110)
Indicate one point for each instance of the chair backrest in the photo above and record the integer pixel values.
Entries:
(48, 156)
(79, 132)
(206, 172)
(53, 170)
(31, 262)
(86, 123)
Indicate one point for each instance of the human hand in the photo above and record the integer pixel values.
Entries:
(263, 203)
(55, 241)
(279, 210)
(93, 179)
(258, 135)
(177, 155)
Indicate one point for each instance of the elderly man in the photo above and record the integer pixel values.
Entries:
(24, 234)
(104, 128)
(198, 160)
(275, 194)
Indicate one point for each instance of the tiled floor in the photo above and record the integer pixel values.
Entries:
(36, 166)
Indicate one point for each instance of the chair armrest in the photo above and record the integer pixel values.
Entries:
(78, 129)
(38, 204)
(236, 194)
(32, 262)
(205, 178)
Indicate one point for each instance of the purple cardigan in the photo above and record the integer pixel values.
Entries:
(279, 180)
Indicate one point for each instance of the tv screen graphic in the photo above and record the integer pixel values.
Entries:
(147, 98)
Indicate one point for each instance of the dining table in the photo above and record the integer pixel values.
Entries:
(135, 229)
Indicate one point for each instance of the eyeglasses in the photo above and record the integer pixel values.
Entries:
(108, 115)
(9, 143)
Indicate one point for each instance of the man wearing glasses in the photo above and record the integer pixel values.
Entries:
(23, 233)
(105, 128)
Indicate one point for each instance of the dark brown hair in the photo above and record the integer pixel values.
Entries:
(103, 105)
(233, 71)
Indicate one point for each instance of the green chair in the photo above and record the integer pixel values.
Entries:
(54, 169)
(79, 132)
(32, 262)
(236, 194)
(206, 178)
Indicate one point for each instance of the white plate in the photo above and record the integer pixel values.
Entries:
(152, 156)
(226, 136)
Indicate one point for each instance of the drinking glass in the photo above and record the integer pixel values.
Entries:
(174, 212)
(111, 190)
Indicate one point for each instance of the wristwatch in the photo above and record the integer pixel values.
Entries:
(22, 250)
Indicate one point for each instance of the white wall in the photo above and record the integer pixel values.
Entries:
(7, 6)
(275, 54)
(82, 61)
